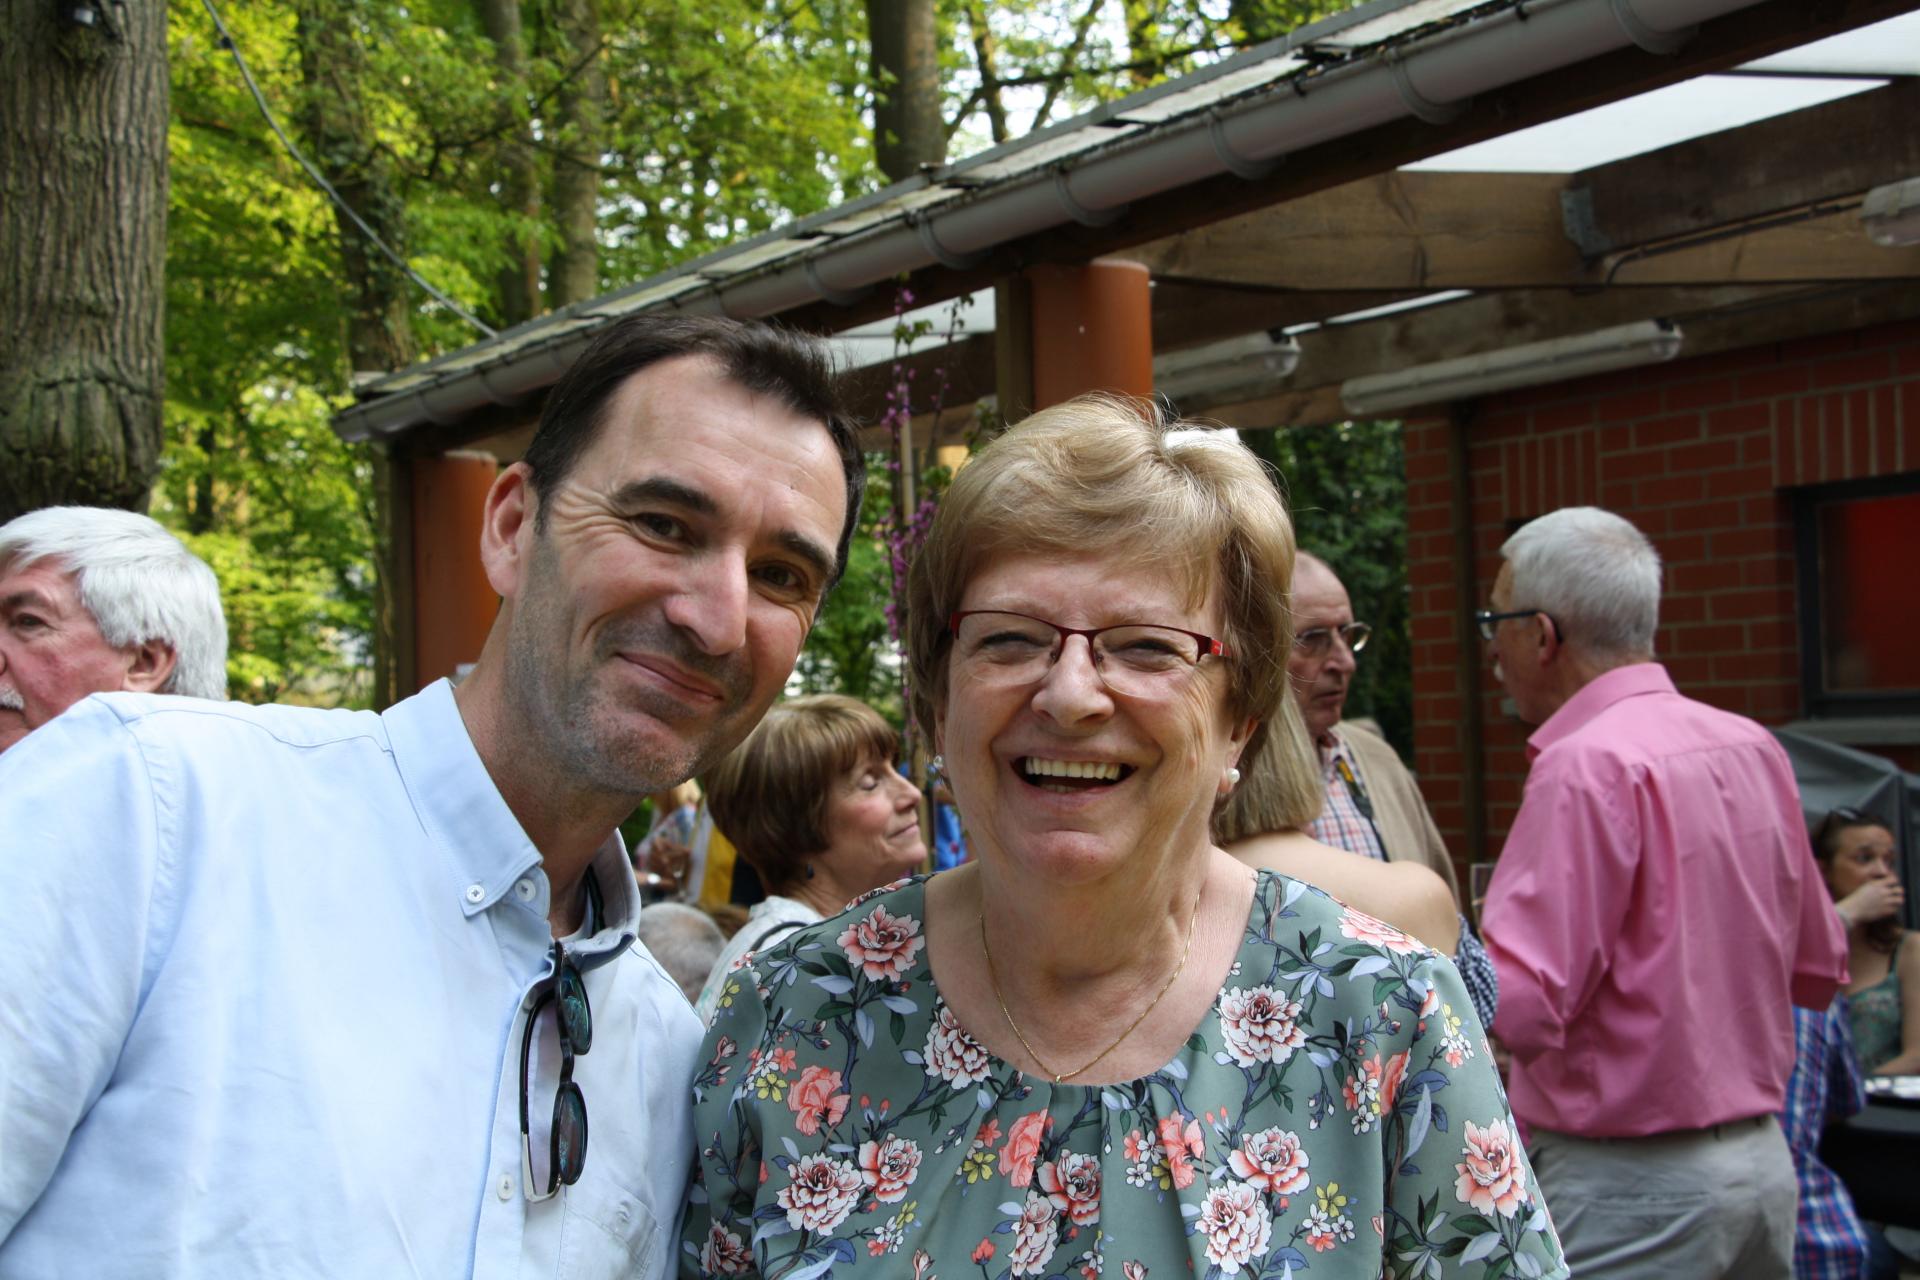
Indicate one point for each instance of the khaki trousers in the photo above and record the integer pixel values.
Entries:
(1699, 1205)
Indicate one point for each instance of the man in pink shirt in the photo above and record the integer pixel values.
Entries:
(1654, 915)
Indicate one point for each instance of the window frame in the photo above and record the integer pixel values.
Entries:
(1817, 702)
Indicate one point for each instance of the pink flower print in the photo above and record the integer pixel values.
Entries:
(814, 1098)
(821, 1194)
(988, 1134)
(883, 945)
(1235, 1221)
(922, 1263)
(724, 1254)
(1132, 1270)
(724, 1048)
(1033, 1235)
(983, 1251)
(1023, 1145)
(1431, 1002)
(1137, 1146)
(1072, 1183)
(1492, 1179)
(1364, 928)
(889, 1167)
(1391, 1077)
(1181, 1146)
(953, 1055)
(1272, 1161)
(1260, 1025)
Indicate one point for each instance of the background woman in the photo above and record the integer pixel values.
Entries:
(1103, 1046)
(1857, 853)
(812, 801)
(1263, 823)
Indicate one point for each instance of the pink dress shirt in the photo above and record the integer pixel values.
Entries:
(1654, 914)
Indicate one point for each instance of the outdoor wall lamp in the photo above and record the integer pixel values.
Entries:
(1621, 347)
(1225, 372)
(1891, 214)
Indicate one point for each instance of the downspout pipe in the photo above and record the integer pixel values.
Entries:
(1428, 77)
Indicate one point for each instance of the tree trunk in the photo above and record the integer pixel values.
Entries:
(575, 272)
(908, 130)
(340, 140)
(83, 210)
(519, 277)
(983, 58)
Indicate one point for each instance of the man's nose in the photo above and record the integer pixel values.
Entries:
(1340, 654)
(711, 604)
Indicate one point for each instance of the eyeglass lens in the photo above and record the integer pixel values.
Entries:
(1133, 658)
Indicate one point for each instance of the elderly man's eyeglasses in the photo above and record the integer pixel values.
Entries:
(1318, 642)
(1135, 659)
(573, 1018)
(1489, 622)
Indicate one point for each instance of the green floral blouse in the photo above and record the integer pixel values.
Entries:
(1336, 1114)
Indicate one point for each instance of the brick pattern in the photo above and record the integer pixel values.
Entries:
(1697, 453)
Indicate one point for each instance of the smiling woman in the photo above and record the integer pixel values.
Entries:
(812, 801)
(1104, 1045)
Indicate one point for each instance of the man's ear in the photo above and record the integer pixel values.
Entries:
(507, 528)
(150, 665)
(1551, 642)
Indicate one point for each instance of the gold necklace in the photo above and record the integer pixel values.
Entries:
(1062, 1077)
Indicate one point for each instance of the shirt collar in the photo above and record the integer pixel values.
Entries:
(463, 811)
(1331, 748)
(1634, 680)
(455, 798)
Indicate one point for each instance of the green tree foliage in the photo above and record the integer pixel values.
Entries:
(1346, 486)
(722, 119)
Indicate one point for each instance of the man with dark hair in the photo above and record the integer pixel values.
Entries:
(330, 993)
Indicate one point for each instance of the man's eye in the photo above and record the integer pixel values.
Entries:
(661, 526)
(783, 577)
(27, 621)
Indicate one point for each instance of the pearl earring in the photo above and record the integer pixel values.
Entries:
(937, 765)
(1233, 777)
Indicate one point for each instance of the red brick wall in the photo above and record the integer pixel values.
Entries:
(1700, 454)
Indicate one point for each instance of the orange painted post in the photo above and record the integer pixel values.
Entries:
(453, 602)
(1092, 330)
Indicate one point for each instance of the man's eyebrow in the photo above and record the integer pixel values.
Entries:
(809, 550)
(662, 489)
(26, 597)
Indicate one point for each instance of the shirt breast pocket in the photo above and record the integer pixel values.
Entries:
(606, 1233)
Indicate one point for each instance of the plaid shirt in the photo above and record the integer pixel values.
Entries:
(1347, 820)
(1828, 1241)
(1347, 823)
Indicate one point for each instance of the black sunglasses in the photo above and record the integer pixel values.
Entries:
(573, 1018)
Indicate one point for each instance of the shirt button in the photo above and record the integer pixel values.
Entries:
(525, 889)
(476, 893)
(506, 1186)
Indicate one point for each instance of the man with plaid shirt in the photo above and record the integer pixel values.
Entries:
(1373, 805)
(1829, 1242)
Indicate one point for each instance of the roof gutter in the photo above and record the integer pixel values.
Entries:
(1431, 77)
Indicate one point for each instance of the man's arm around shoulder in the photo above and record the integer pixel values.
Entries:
(80, 868)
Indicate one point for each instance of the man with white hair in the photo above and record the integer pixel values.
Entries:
(94, 600)
(1654, 916)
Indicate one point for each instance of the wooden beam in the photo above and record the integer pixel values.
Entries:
(1753, 32)
(1725, 320)
(1423, 231)
(1192, 313)
(1821, 153)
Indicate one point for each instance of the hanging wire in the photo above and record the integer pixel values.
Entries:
(227, 42)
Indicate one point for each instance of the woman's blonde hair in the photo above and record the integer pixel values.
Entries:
(1280, 787)
(1108, 473)
(769, 795)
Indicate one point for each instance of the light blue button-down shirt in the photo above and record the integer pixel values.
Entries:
(263, 977)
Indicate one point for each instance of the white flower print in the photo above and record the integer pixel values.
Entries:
(822, 1193)
(953, 1055)
(1260, 1025)
(1034, 1236)
(1236, 1223)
